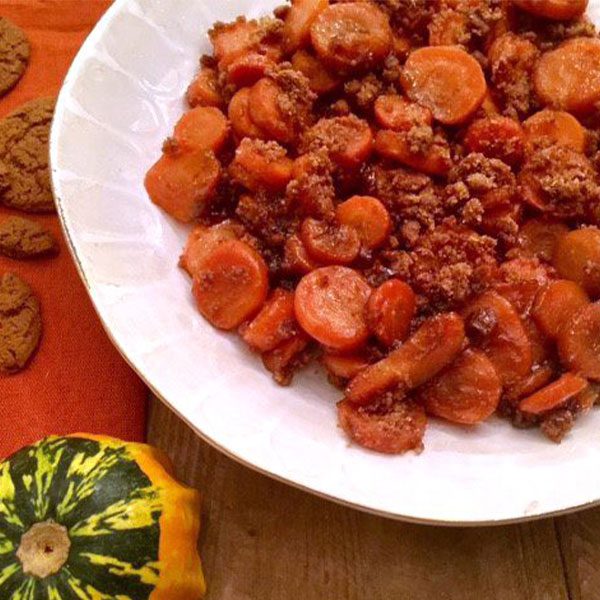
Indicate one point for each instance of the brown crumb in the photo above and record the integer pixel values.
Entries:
(23, 238)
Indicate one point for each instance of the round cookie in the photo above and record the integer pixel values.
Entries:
(24, 172)
(24, 238)
(14, 54)
(20, 323)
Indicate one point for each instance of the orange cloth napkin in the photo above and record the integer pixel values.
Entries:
(77, 381)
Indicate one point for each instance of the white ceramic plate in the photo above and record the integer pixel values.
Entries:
(120, 100)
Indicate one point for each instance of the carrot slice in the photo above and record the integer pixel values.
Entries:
(298, 20)
(568, 78)
(330, 243)
(390, 311)
(202, 128)
(539, 237)
(467, 392)
(431, 348)
(445, 79)
(344, 366)
(578, 342)
(556, 304)
(489, 107)
(394, 112)
(435, 160)
(231, 284)
(265, 111)
(183, 183)
(286, 358)
(554, 127)
(296, 259)
(351, 36)
(248, 68)
(231, 40)
(448, 28)
(312, 191)
(203, 240)
(261, 165)
(239, 115)
(577, 257)
(274, 324)
(330, 306)
(497, 137)
(538, 378)
(204, 89)
(560, 10)
(494, 326)
(554, 395)
(368, 217)
(349, 140)
(320, 80)
(392, 431)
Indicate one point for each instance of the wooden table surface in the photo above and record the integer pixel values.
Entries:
(264, 540)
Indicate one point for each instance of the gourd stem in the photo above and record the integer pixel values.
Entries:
(44, 549)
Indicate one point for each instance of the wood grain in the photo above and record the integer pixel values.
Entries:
(263, 540)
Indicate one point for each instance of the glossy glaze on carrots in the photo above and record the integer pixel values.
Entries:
(407, 191)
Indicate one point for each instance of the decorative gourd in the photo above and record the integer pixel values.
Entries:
(92, 518)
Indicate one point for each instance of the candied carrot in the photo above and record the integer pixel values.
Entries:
(298, 20)
(202, 128)
(577, 257)
(330, 243)
(369, 217)
(447, 80)
(231, 284)
(554, 127)
(204, 89)
(239, 115)
(557, 394)
(330, 306)
(578, 342)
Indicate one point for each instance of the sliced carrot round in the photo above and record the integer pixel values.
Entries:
(579, 342)
(320, 80)
(351, 36)
(394, 431)
(330, 306)
(577, 257)
(330, 243)
(395, 145)
(497, 137)
(368, 217)
(261, 165)
(344, 366)
(538, 378)
(494, 326)
(554, 127)
(390, 311)
(447, 80)
(568, 78)
(183, 183)
(248, 68)
(556, 304)
(394, 112)
(554, 395)
(239, 115)
(349, 140)
(539, 237)
(231, 284)
(202, 128)
(560, 10)
(265, 111)
(296, 259)
(203, 240)
(431, 348)
(274, 324)
(204, 89)
(231, 40)
(467, 392)
(298, 20)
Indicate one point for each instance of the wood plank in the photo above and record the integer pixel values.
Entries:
(579, 536)
(263, 540)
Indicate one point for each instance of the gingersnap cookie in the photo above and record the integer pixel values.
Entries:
(14, 54)
(24, 173)
(24, 238)
(20, 323)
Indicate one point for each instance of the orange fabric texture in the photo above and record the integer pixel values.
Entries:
(77, 381)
